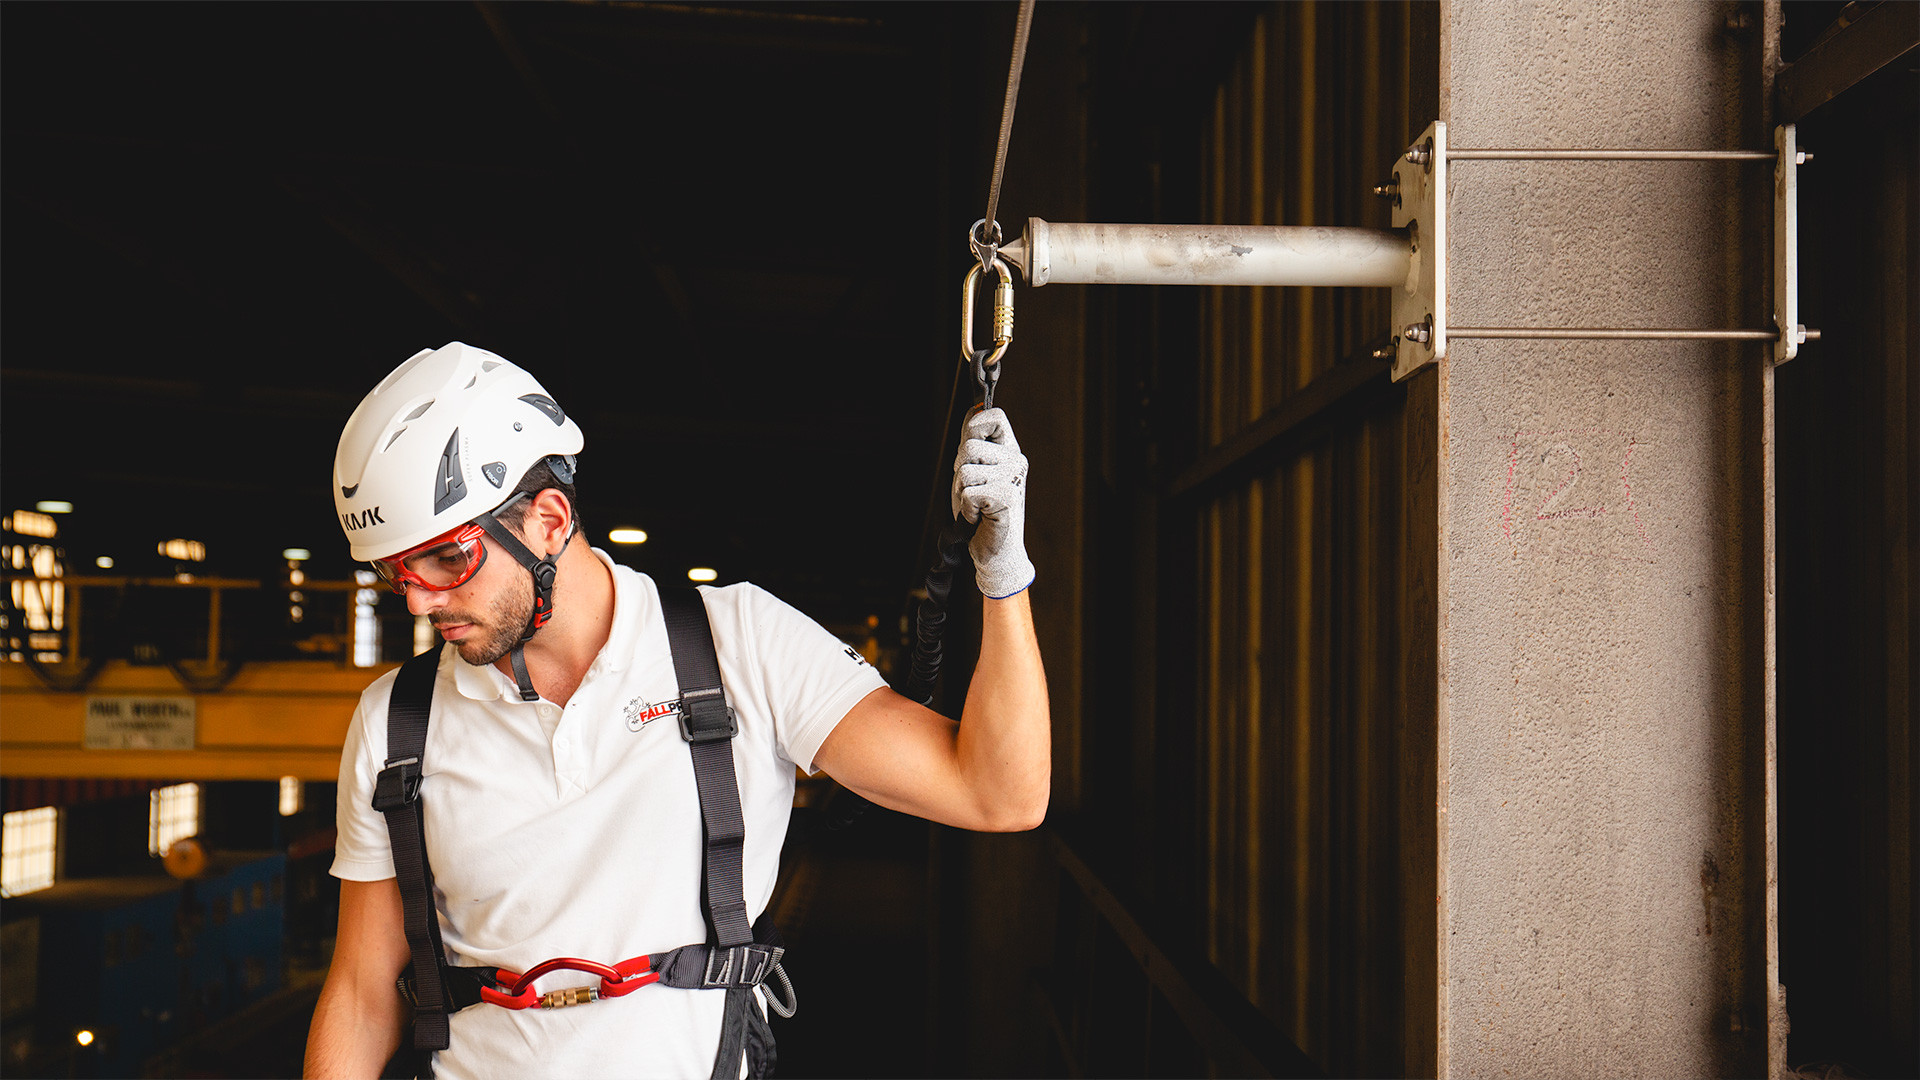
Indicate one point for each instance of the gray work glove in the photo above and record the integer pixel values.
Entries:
(990, 487)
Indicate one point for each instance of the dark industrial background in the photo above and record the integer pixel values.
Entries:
(728, 238)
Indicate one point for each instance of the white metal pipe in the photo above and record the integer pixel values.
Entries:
(1210, 254)
(1523, 154)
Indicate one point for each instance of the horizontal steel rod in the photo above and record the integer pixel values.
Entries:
(1094, 254)
(1576, 333)
(1457, 154)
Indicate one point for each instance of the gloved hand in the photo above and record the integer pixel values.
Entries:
(990, 487)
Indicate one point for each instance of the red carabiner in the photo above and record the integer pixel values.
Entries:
(616, 981)
(634, 974)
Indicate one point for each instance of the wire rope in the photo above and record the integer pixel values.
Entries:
(1006, 121)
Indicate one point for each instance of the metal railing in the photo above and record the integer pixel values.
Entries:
(205, 629)
(1231, 1035)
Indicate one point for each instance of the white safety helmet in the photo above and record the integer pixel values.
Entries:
(439, 442)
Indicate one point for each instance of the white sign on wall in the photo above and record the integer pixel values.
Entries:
(139, 723)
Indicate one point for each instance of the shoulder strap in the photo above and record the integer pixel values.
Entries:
(396, 794)
(709, 726)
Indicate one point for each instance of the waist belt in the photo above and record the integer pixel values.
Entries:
(689, 967)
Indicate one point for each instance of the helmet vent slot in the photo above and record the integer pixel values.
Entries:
(488, 365)
(419, 412)
(395, 439)
(547, 407)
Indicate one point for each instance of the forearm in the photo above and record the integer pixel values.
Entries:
(355, 1030)
(1005, 738)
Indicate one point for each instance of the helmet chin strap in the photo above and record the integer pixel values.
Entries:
(544, 570)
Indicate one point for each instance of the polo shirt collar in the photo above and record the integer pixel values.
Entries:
(633, 602)
(634, 606)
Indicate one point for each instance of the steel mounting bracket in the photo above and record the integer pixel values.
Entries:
(1419, 190)
(1420, 207)
(1786, 245)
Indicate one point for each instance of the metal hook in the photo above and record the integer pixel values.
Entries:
(985, 245)
(986, 377)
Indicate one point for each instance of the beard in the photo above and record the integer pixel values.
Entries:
(498, 629)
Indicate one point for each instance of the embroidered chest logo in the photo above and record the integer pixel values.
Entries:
(639, 714)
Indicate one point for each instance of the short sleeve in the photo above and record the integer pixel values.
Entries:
(812, 678)
(362, 851)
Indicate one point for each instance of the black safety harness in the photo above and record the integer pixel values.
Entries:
(736, 957)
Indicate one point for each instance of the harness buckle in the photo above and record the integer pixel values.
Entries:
(705, 717)
(738, 966)
(397, 786)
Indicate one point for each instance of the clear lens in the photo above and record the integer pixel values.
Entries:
(441, 566)
(437, 565)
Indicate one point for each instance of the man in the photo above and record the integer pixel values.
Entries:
(561, 812)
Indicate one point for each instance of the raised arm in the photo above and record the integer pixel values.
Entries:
(360, 1018)
(992, 771)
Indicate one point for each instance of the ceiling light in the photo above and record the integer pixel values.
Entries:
(184, 550)
(702, 573)
(628, 536)
(104, 562)
(83, 1037)
(54, 506)
(297, 554)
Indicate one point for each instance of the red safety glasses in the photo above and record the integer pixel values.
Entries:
(445, 562)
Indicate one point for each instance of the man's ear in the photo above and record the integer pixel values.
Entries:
(549, 519)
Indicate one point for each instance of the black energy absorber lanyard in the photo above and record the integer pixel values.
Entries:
(736, 957)
(950, 547)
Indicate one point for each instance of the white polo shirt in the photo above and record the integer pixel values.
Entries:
(576, 832)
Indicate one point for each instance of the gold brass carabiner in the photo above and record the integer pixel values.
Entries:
(1002, 314)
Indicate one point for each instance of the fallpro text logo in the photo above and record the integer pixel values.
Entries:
(639, 714)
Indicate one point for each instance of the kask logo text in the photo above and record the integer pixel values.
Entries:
(363, 519)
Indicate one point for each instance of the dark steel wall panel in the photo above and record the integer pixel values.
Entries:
(1303, 644)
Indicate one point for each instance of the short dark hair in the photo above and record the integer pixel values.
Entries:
(538, 479)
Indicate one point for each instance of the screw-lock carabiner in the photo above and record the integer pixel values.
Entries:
(1002, 316)
(514, 990)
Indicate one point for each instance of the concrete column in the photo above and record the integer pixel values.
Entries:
(1605, 756)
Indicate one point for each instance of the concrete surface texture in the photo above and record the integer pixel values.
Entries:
(1596, 835)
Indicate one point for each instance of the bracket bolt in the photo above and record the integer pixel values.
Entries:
(1385, 352)
(1802, 157)
(1421, 331)
(1388, 190)
(1420, 155)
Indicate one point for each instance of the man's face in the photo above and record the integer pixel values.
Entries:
(485, 617)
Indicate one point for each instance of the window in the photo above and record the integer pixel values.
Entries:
(28, 844)
(172, 813)
(293, 796)
(38, 597)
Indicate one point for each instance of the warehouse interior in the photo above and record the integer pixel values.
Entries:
(1549, 708)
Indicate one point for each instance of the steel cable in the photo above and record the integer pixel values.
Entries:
(950, 548)
(1006, 114)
